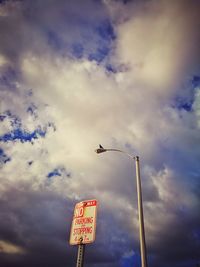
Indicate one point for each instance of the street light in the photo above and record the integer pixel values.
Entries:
(139, 197)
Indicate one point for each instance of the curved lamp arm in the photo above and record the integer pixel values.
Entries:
(101, 150)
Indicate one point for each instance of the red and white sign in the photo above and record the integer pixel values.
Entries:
(83, 227)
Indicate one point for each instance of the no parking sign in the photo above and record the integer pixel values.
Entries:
(83, 227)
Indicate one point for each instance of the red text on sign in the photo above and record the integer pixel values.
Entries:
(84, 230)
(79, 212)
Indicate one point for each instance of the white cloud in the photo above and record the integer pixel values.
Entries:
(158, 41)
(196, 106)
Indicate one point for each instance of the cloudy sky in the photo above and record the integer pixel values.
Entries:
(77, 73)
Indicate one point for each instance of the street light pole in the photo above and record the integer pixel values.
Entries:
(139, 198)
(140, 214)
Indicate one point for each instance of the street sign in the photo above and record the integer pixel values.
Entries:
(83, 227)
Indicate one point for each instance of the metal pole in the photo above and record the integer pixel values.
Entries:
(140, 215)
(80, 256)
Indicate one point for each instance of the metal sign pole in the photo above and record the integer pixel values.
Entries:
(81, 252)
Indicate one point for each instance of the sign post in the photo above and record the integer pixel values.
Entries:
(81, 254)
(83, 228)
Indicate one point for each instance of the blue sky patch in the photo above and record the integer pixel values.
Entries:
(111, 68)
(184, 104)
(18, 133)
(77, 50)
(106, 35)
(99, 55)
(196, 81)
(106, 31)
(23, 135)
(55, 172)
(32, 110)
(59, 172)
(54, 40)
(14, 120)
(93, 40)
(3, 157)
(8, 78)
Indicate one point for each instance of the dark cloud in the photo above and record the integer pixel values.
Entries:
(64, 28)
(178, 243)
(39, 222)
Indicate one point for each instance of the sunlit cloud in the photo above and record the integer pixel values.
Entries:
(6, 247)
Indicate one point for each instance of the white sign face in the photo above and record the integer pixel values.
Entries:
(83, 227)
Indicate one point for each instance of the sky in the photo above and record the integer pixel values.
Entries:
(76, 74)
